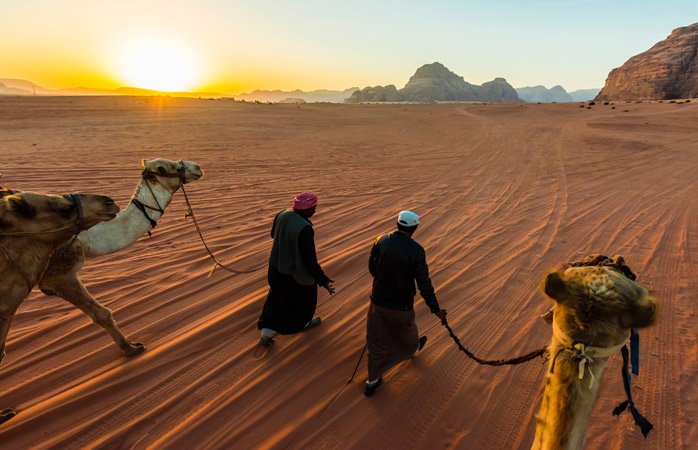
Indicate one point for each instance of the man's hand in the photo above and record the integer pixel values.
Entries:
(441, 314)
(329, 286)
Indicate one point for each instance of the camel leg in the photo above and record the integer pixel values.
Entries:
(70, 288)
(7, 312)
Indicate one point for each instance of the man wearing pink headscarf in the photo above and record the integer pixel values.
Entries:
(294, 273)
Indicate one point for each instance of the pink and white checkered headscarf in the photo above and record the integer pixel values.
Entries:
(304, 200)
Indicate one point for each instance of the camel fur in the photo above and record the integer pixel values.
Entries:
(595, 305)
(32, 226)
(161, 179)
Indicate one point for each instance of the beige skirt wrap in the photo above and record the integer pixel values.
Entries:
(391, 336)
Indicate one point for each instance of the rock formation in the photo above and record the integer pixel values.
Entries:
(320, 95)
(498, 90)
(435, 83)
(372, 94)
(668, 70)
(542, 94)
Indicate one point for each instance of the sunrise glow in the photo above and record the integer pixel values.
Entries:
(157, 63)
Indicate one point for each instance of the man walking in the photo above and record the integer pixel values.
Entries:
(294, 273)
(396, 261)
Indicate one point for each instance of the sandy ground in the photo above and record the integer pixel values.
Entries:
(505, 192)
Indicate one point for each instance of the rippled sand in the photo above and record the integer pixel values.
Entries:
(505, 192)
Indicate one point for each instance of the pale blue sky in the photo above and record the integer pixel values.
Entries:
(312, 44)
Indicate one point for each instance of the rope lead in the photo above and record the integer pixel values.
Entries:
(494, 362)
(190, 213)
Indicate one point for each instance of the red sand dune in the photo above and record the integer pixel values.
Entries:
(506, 192)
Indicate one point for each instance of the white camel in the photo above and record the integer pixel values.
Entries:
(161, 179)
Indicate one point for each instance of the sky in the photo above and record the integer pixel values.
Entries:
(234, 46)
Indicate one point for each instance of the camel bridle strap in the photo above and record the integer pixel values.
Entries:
(142, 208)
(578, 351)
(150, 175)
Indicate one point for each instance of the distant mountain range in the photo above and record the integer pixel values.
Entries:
(542, 94)
(436, 83)
(16, 87)
(431, 82)
(13, 86)
(321, 95)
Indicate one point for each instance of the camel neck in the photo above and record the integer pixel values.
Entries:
(567, 401)
(129, 225)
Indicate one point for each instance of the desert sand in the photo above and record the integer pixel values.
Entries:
(505, 192)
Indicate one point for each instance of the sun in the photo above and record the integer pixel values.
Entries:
(157, 63)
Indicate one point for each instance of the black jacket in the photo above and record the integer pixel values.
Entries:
(396, 261)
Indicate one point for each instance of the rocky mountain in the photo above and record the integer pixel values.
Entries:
(309, 97)
(583, 95)
(535, 94)
(373, 94)
(499, 91)
(435, 83)
(668, 70)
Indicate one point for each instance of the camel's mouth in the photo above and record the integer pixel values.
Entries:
(110, 211)
(196, 174)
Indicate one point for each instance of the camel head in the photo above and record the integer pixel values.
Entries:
(598, 304)
(168, 173)
(33, 213)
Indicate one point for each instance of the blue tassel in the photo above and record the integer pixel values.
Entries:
(635, 351)
(640, 421)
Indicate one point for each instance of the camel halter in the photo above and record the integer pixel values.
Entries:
(582, 352)
(181, 174)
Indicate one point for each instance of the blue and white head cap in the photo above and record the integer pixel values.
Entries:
(408, 219)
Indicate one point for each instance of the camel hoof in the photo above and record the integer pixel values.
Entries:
(136, 349)
(7, 414)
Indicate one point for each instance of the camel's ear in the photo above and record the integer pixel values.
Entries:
(20, 206)
(144, 161)
(554, 286)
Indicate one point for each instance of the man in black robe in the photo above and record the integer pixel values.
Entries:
(294, 273)
(396, 262)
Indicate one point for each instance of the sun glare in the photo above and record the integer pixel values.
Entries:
(158, 64)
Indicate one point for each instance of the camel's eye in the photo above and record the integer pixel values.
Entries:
(66, 211)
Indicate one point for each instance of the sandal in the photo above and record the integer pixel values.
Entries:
(315, 321)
